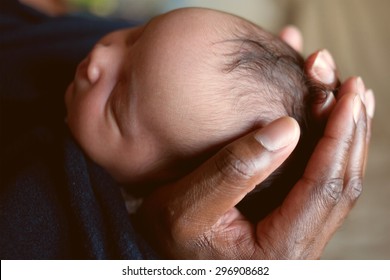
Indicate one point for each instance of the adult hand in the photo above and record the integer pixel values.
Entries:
(196, 217)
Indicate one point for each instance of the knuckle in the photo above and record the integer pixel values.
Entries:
(230, 165)
(354, 188)
(332, 190)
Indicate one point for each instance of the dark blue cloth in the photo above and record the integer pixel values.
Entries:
(54, 202)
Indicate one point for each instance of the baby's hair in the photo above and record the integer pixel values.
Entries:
(268, 69)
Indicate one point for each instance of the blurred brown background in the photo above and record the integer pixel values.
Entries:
(357, 33)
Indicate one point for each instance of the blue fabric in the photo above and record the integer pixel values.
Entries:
(54, 202)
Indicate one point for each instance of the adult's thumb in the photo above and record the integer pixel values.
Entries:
(221, 182)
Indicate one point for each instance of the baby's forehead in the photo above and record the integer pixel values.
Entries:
(209, 22)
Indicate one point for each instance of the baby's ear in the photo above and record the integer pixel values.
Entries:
(323, 83)
(293, 37)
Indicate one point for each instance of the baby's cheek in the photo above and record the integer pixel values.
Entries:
(83, 121)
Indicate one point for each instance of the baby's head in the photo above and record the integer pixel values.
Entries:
(150, 103)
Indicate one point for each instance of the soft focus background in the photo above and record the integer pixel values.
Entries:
(357, 33)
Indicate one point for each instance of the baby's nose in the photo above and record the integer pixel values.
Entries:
(93, 73)
(103, 61)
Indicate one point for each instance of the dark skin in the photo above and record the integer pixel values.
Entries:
(196, 218)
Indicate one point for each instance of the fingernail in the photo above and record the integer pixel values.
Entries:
(329, 59)
(370, 103)
(360, 88)
(322, 70)
(278, 134)
(330, 99)
(357, 104)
